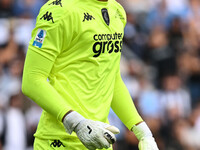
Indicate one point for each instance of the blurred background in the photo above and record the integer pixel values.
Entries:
(160, 65)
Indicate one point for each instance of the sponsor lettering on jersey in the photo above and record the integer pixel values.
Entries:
(47, 16)
(39, 38)
(107, 42)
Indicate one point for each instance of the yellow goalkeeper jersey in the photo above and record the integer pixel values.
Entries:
(76, 46)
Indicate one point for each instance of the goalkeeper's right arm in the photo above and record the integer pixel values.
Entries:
(93, 134)
(36, 86)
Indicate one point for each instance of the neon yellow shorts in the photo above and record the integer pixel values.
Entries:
(64, 144)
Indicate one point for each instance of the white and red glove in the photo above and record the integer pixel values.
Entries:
(145, 137)
(93, 134)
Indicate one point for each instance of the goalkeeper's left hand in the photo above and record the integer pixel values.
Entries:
(145, 137)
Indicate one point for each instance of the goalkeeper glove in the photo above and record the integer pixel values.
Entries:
(145, 137)
(93, 134)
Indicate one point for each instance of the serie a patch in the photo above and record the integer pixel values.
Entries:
(39, 38)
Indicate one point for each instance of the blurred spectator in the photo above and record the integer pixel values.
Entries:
(195, 117)
(130, 79)
(177, 8)
(32, 115)
(3, 97)
(11, 80)
(130, 30)
(22, 32)
(9, 48)
(186, 135)
(6, 8)
(15, 124)
(159, 54)
(133, 33)
(175, 104)
(174, 99)
(193, 14)
(148, 96)
(5, 26)
(176, 35)
(189, 64)
(159, 16)
(27, 8)
(173, 135)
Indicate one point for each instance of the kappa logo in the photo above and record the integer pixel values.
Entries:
(57, 143)
(88, 17)
(56, 2)
(47, 16)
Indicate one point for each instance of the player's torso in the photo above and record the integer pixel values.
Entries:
(88, 65)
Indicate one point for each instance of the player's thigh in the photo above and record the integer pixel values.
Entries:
(64, 144)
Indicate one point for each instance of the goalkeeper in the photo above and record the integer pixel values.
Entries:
(72, 72)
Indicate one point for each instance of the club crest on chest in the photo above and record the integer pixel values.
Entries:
(105, 16)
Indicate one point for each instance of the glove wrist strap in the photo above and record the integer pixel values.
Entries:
(71, 121)
(141, 131)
